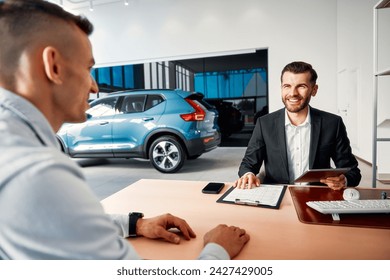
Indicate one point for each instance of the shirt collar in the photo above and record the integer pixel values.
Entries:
(30, 114)
(287, 121)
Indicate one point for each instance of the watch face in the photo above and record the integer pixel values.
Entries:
(133, 218)
(138, 214)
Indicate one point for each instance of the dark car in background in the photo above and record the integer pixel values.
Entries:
(165, 126)
(230, 119)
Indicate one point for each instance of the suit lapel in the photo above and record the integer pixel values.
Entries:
(281, 139)
(315, 135)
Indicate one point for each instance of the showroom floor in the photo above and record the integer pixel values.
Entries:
(221, 165)
(109, 176)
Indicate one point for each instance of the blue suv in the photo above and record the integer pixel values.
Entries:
(165, 126)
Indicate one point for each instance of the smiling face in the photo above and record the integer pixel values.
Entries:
(77, 82)
(297, 91)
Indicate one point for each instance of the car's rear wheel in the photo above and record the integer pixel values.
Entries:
(166, 154)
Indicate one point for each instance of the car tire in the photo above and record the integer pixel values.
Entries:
(166, 154)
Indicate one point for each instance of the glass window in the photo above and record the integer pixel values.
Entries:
(153, 100)
(232, 83)
(129, 76)
(104, 75)
(133, 104)
(117, 76)
(103, 107)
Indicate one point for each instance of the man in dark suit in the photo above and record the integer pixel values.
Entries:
(298, 137)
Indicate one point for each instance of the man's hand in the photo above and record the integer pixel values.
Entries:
(231, 238)
(247, 181)
(158, 227)
(335, 183)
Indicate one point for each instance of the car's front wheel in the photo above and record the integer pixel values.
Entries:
(166, 154)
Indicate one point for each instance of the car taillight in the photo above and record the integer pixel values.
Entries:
(198, 115)
(206, 140)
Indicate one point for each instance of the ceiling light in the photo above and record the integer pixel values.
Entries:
(126, 2)
(91, 5)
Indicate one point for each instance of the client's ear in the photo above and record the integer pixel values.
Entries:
(52, 66)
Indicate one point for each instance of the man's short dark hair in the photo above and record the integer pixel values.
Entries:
(18, 16)
(298, 67)
(22, 22)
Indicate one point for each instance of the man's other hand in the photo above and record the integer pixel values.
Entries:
(335, 183)
(247, 181)
(231, 238)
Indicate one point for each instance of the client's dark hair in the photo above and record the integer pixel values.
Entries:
(21, 15)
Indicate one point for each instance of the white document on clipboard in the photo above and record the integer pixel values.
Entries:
(265, 195)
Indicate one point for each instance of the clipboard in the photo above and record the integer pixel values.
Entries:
(315, 175)
(265, 196)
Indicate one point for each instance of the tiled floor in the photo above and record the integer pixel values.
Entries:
(109, 176)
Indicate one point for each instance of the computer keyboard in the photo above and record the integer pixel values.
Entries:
(351, 206)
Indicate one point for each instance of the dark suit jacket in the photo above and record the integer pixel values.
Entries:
(328, 141)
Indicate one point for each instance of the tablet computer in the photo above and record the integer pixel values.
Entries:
(315, 175)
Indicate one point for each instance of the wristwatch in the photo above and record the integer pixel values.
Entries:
(133, 218)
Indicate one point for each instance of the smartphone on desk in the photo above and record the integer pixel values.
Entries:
(213, 187)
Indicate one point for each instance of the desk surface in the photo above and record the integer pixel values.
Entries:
(275, 234)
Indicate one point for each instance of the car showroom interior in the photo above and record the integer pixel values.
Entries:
(235, 65)
(289, 98)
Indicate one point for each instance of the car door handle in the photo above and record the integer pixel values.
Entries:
(148, 119)
(103, 123)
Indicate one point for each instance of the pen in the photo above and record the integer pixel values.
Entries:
(247, 202)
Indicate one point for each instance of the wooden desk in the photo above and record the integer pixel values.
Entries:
(275, 234)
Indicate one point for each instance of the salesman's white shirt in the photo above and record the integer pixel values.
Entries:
(298, 146)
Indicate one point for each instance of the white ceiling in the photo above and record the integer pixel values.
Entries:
(77, 4)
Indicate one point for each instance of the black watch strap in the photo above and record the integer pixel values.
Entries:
(133, 218)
